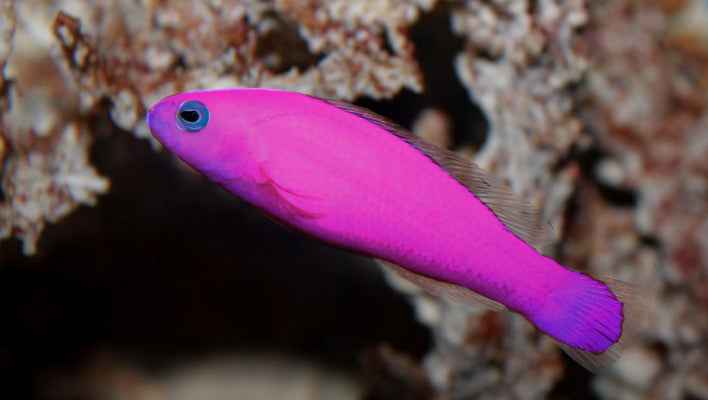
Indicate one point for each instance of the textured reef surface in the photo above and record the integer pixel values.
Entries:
(595, 111)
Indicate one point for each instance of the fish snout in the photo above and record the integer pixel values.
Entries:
(159, 127)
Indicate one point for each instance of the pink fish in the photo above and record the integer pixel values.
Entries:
(354, 180)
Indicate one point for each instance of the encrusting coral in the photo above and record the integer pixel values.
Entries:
(134, 54)
(46, 173)
(646, 99)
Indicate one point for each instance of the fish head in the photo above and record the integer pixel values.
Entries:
(193, 126)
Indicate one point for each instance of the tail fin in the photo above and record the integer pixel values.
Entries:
(593, 319)
(634, 306)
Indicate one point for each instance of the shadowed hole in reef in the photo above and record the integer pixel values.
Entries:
(282, 47)
(589, 160)
(575, 383)
(169, 265)
(435, 50)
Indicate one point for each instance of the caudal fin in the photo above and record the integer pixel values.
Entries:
(633, 302)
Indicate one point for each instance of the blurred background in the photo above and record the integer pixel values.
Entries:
(126, 275)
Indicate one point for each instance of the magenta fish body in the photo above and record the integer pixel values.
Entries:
(351, 179)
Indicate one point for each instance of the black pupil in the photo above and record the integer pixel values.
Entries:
(189, 115)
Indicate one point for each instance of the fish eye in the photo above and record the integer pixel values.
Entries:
(192, 116)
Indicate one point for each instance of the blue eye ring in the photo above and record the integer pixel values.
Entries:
(192, 116)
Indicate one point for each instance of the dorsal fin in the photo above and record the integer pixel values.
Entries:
(517, 215)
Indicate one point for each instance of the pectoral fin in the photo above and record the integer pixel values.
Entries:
(284, 199)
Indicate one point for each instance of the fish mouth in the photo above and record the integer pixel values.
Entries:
(158, 128)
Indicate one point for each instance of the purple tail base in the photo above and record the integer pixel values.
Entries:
(603, 316)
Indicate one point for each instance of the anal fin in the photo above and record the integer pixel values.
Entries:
(456, 293)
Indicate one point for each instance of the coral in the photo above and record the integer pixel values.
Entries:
(521, 60)
(230, 49)
(646, 97)
(350, 33)
(46, 173)
(133, 54)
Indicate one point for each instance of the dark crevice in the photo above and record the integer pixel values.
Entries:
(386, 45)
(650, 241)
(282, 48)
(576, 383)
(588, 159)
(618, 195)
(168, 265)
(179, 65)
(435, 50)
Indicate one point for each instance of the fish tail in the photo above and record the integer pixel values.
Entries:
(594, 319)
